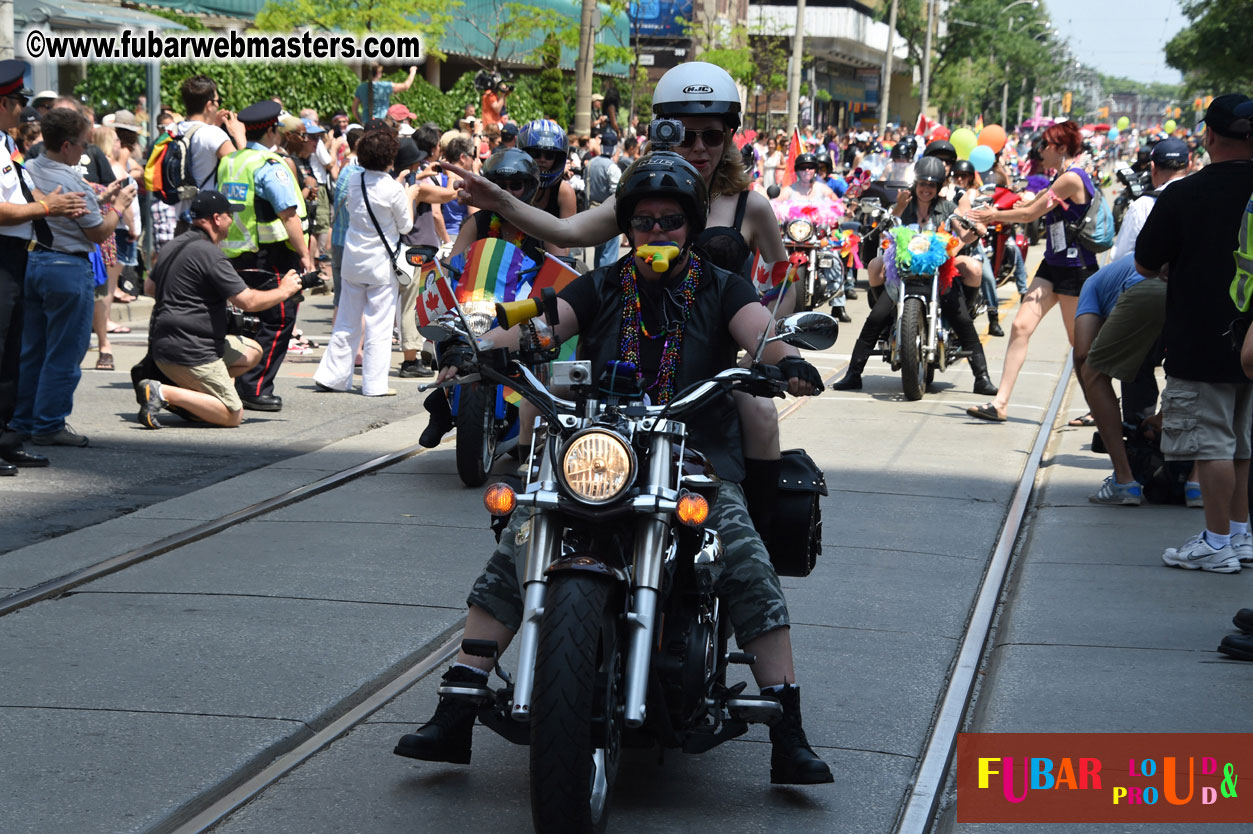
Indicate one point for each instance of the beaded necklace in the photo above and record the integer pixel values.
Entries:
(494, 230)
(633, 327)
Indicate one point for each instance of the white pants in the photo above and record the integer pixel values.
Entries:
(368, 307)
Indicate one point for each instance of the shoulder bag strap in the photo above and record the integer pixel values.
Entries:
(365, 195)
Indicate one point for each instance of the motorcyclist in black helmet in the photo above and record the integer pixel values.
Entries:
(921, 205)
(808, 187)
(711, 314)
(515, 171)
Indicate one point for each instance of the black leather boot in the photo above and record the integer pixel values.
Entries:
(448, 735)
(761, 493)
(440, 421)
(983, 382)
(851, 381)
(994, 323)
(792, 760)
(971, 294)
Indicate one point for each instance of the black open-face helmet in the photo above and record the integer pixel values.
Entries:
(963, 166)
(511, 165)
(824, 160)
(904, 150)
(930, 169)
(941, 149)
(663, 174)
(806, 160)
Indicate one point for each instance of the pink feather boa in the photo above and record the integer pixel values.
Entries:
(825, 214)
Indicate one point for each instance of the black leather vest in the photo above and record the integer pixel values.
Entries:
(714, 428)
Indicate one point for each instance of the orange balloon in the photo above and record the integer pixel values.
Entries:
(994, 137)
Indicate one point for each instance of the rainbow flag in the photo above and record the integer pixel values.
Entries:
(489, 270)
(552, 273)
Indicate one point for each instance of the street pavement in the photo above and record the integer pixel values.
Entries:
(132, 701)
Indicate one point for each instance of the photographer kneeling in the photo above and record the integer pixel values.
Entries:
(188, 333)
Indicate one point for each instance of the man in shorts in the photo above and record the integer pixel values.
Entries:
(188, 332)
(1208, 402)
(1117, 322)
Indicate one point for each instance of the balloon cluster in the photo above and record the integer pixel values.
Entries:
(980, 149)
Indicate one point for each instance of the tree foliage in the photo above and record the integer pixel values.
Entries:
(427, 18)
(1213, 51)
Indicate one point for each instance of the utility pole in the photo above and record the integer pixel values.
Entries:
(926, 57)
(794, 69)
(887, 71)
(583, 70)
(6, 29)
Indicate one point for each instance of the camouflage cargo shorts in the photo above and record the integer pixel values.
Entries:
(748, 587)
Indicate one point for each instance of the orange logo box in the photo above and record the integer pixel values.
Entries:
(1104, 777)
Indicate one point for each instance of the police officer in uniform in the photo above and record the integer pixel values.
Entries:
(22, 213)
(268, 234)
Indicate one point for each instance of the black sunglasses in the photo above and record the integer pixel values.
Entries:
(514, 185)
(711, 137)
(551, 156)
(669, 223)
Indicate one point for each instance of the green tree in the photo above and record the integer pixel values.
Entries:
(428, 18)
(1213, 52)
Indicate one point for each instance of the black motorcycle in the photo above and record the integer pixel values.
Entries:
(623, 639)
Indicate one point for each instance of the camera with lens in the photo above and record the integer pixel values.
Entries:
(665, 134)
(1137, 182)
(494, 81)
(239, 323)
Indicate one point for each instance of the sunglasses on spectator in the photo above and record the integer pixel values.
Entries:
(669, 223)
(21, 100)
(710, 137)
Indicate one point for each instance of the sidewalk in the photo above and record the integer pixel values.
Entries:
(1098, 635)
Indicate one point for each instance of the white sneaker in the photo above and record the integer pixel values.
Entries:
(1196, 554)
(1242, 544)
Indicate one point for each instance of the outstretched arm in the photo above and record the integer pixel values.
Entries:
(587, 228)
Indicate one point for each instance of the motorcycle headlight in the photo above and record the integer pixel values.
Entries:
(479, 315)
(597, 466)
(799, 230)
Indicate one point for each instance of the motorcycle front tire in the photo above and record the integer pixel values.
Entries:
(913, 349)
(576, 725)
(476, 434)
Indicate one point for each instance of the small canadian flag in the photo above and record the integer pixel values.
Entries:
(768, 277)
(436, 297)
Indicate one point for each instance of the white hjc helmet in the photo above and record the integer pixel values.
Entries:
(697, 89)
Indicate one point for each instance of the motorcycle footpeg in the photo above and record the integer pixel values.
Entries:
(478, 694)
(480, 648)
(742, 658)
(755, 709)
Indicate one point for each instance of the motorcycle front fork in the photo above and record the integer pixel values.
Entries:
(650, 545)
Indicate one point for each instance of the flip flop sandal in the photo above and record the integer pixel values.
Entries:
(105, 362)
(987, 411)
(123, 298)
(119, 328)
(1086, 420)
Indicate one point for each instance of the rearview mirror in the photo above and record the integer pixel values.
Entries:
(418, 255)
(808, 331)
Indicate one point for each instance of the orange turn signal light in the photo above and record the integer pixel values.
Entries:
(500, 499)
(693, 509)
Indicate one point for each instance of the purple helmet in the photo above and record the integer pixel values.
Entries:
(545, 135)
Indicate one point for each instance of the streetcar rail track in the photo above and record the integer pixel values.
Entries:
(917, 811)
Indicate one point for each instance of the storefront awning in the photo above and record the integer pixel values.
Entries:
(74, 15)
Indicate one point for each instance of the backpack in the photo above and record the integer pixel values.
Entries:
(168, 172)
(1095, 230)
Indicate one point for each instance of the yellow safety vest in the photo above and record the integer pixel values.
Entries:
(256, 224)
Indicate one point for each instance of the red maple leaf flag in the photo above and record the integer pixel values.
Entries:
(768, 277)
(436, 298)
(924, 126)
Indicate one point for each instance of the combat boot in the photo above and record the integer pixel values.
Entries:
(792, 760)
(994, 323)
(983, 382)
(851, 381)
(449, 733)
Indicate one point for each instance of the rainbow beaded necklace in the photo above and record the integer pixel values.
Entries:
(633, 327)
(494, 230)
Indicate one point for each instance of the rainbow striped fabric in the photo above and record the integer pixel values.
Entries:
(490, 270)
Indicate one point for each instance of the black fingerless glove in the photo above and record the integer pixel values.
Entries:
(455, 352)
(793, 367)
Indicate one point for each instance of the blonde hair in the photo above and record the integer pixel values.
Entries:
(104, 138)
(447, 137)
(730, 176)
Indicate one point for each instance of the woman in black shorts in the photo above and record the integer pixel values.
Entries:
(1066, 264)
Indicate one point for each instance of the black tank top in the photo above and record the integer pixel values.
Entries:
(724, 246)
(550, 203)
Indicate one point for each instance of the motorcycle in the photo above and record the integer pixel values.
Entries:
(623, 641)
(1001, 236)
(820, 271)
(1135, 185)
(918, 266)
(486, 416)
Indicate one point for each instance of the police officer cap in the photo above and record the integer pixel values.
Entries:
(261, 114)
(11, 72)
